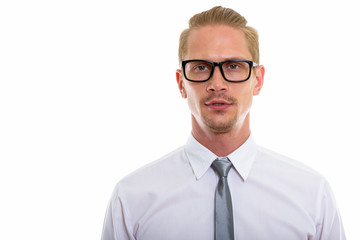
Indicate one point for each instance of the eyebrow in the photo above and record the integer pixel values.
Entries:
(236, 58)
(225, 59)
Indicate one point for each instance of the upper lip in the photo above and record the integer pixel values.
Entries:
(218, 101)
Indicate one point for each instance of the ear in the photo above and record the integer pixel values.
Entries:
(260, 72)
(180, 82)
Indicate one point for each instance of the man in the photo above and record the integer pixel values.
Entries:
(221, 185)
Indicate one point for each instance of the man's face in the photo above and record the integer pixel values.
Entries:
(216, 104)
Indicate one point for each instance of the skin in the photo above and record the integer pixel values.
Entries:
(220, 129)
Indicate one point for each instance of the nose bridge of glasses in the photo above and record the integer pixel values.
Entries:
(219, 65)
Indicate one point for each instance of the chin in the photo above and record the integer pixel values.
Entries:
(220, 127)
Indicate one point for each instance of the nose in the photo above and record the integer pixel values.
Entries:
(217, 83)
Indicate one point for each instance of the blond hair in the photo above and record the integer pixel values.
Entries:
(216, 16)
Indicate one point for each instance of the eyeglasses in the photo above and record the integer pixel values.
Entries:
(231, 70)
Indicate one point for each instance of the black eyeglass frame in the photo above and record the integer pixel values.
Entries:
(219, 64)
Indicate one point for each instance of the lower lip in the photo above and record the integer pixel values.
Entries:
(218, 107)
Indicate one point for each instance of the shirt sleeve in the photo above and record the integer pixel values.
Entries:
(116, 224)
(330, 224)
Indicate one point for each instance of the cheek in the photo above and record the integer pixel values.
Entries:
(244, 91)
(244, 97)
(193, 98)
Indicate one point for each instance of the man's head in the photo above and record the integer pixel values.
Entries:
(221, 101)
(221, 16)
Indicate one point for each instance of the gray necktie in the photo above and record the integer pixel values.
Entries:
(224, 224)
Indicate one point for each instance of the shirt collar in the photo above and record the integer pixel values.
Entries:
(201, 158)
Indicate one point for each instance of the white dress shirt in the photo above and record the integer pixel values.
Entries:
(273, 197)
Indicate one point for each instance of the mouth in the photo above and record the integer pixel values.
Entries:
(218, 104)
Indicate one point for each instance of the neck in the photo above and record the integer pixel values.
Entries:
(222, 144)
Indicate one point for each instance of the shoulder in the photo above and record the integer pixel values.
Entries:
(143, 188)
(282, 162)
(155, 174)
(288, 171)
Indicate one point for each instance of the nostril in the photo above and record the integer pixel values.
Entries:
(216, 89)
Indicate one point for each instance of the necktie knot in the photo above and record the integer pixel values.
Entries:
(222, 167)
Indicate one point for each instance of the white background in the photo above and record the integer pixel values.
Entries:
(88, 94)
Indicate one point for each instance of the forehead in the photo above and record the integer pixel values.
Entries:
(216, 43)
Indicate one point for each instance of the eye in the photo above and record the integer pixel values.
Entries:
(233, 66)
(201, 68)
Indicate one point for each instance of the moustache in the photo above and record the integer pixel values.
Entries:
(219, 96)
